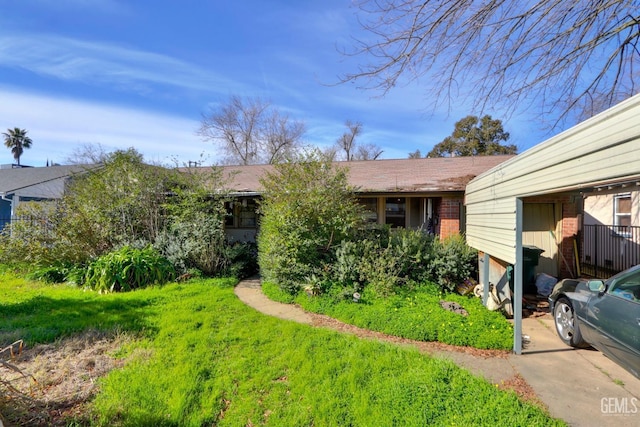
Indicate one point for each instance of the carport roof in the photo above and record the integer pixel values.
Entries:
(443, 174)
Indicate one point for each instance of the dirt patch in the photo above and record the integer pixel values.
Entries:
(52, 383)
(522, 389)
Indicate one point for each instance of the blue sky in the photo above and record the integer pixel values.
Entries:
(141, 73)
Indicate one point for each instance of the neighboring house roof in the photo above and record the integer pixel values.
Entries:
(441, 174)
(20, 180)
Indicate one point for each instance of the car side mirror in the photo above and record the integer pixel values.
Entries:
(596, 285)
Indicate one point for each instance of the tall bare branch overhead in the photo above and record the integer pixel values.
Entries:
(251, 131)
(575, 57)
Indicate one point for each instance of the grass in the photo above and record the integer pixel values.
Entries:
(39, 313)
(415, 315)
(204, 358)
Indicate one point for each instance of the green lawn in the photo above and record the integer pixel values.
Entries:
(415, 314)
(204, 358)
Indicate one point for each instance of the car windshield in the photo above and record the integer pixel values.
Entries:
(626, 285)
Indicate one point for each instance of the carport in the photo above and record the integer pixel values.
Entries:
(539, 193)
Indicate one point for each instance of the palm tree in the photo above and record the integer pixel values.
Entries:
(17, 140)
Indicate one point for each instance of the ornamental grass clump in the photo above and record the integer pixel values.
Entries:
(127, 269)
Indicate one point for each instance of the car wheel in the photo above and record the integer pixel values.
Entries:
(567, 324)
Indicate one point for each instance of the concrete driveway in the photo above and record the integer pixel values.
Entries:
(580, 386)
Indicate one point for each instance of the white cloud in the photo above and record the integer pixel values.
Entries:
(94, 62)
(58, 126)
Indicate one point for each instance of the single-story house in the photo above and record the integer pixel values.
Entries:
(423, 193)
(408, 193)
(536, 199)
(32, 184)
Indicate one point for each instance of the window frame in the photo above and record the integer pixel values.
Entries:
(620, 229)
(625, 286)
(392, 215)
(239, 212)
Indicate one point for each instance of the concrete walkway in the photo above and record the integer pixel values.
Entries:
(582, 387)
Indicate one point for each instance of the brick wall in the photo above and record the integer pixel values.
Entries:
(569, 233)
(449, 214)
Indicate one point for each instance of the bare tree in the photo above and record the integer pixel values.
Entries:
(330, 153)
(282, 137)
(347, 141)
(87, 154)
(575, 56)
(352, 151)
(367, 152)
(251, 131)
(415, 155)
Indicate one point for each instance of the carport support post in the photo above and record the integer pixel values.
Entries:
(517, 283)
(485, 278)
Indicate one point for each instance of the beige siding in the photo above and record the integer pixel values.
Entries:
(492, 226)
(605, 148)
(599, 207)
(540, 229)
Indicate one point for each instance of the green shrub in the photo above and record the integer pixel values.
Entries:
(380, 271)
(50, 274)
(196, 242)
(242, 259)
(127, 269)
(453, 261)
(194, 234)
(279, 258)
(30, 238)
(76, 275)
(414, 252)
(124, 202)
(59, 273)
(346, 268)
(307, 210)
(386, 262)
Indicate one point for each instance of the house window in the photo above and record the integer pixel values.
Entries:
(395, 211)
(247, 215)
(370, 209)
(241, 213)
(622, 214)
(229, 217)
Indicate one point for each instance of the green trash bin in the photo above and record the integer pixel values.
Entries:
(530, 259)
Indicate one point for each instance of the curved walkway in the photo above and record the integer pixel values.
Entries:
(582, 387)
(250, 292)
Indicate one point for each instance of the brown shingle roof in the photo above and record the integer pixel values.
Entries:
(387, 176)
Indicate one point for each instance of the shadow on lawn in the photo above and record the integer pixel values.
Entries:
(43, 319)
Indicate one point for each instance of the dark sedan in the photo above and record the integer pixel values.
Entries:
(602, 314)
